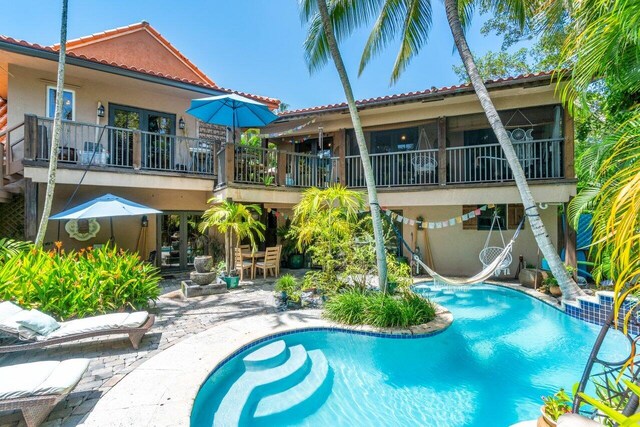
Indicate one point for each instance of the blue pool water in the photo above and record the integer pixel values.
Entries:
(489, 368)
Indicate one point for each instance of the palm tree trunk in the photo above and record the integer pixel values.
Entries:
(569, 288)
(376, 217)
(57, 125)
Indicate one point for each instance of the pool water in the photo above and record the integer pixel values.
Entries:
(503, 352)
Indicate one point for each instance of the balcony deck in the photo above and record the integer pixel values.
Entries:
(89, 146)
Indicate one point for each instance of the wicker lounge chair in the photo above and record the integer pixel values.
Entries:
(136, 325)
(36, 388)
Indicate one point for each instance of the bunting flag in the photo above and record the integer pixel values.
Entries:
(286, 132)
(438, 224)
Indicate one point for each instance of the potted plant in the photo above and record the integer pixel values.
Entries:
(554, 406)
(232, 280)
(552, 286)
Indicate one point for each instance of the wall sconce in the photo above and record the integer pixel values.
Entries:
(100, 109)
(181, 124)
(420, 222)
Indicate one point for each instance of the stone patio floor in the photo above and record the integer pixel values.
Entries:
(112, 358)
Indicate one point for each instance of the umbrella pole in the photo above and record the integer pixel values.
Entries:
(111, 223)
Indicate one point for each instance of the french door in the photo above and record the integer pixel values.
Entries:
(178, 240)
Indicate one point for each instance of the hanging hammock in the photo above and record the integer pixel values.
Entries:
(490, 253)
(488, 270)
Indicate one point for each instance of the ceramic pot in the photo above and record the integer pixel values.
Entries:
(296, 261)
(203, 264)
(545, 420)
(231, 281)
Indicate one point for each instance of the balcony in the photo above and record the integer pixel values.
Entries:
(109, 148)
(89, 145)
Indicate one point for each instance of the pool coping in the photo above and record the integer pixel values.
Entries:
(161, 391)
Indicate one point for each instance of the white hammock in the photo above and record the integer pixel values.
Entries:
(489, 269)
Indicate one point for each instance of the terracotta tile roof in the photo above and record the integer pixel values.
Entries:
(273, 102)
(140, 26)
(414, 96)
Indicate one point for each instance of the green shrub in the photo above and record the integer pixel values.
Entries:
(356, 307)
(289, 285)
(347, 307)
(78, 284)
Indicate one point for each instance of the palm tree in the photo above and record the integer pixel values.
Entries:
(57, 131)
(412, 19)
(231, 219)
(323, 44)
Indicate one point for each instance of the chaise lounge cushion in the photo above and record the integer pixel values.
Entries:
(99, 323)
(35, 321)
(41, 378)
(8, 325)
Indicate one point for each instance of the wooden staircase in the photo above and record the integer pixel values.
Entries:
(9, 184)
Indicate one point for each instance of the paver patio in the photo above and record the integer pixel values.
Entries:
(113, 358)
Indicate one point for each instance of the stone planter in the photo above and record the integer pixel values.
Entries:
(528, 277)
(203, 264)
(202, 278)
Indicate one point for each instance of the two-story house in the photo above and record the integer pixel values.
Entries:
(126, 132)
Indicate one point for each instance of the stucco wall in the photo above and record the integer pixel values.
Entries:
(455, 251)
(126, 229)
(28, 95)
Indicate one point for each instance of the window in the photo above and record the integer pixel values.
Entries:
(394, 140)
(68, 103)
(483, 221)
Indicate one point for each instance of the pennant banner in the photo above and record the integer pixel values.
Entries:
(439, 224)
(286, 132)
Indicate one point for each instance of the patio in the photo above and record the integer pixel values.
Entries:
(112, 359)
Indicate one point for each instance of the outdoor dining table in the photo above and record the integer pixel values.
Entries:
(254, 256)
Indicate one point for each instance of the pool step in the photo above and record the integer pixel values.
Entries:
(305, 397)
(269, 356)
(278, 381)
(236, 406)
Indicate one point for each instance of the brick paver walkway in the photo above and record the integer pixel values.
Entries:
(113, 357)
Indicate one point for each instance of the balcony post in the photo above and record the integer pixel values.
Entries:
(442, 150)
(30, 209)
(137, 150)
(281, 178)
(31, 148)
(568, 149)
(339, 148)
(230, 161)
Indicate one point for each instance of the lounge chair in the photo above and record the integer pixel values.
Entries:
(136, 325)
(36, 388)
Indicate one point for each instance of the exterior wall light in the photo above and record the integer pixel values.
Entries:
(100, 109)
(181, 124)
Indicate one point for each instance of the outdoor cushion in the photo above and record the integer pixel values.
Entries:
(8, 309)
(36, 321)
(40, 378)
(100, 323)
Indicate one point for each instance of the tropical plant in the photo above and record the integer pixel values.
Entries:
(290, 286)
(78, 284)
(10, 248)
(357, 307)
(621, 419)
(557, 404)
(57, 130)
(233, 220)
(321, 44)
(412, 19)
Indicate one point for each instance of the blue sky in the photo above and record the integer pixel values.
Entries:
(249, 45)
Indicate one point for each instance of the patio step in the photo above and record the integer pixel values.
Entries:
(302, 399)
(269, 356)
(236, 407)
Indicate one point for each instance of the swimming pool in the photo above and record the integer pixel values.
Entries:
(489, 368)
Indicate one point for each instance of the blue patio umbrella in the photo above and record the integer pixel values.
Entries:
(103, 207)
(231, 110)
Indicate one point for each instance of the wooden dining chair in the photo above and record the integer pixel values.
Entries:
(241, 265)
(270, 263)
(245, 248)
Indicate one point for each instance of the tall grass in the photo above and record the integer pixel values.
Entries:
(78, 284)
(356, 307)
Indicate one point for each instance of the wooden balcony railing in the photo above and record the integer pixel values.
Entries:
(89, 144)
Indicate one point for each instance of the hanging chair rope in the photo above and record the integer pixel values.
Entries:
(489, 253)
